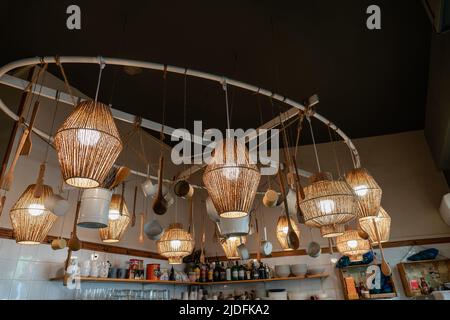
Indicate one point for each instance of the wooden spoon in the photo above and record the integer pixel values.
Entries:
(133, 217)
(159, 203)
(292, 238)
(26, 150)
(385, 268)
(141, 233)
(299, 189)
(258, 238)
(39, 182)
(2, 204)
(74, 242)
(120, 177)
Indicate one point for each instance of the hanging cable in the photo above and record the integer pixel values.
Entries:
(225, 89)
(102, 66)
(314, 142)
(52, 126)
(333, 144)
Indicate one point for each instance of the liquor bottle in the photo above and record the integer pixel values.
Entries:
(211, 272)
(235, 272)
(261, 271)
(203, 273)
(223, 273)
(268, 273)
(216, 276)
(197, 273)
(248, 273)
(172, 274)
(241, 274)
(255, 272)
(228, 272)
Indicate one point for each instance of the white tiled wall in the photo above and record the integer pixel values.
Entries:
(25, 272)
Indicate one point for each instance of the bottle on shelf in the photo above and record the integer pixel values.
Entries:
(241, 272)
(248, 272)
(203, 273)
(197, 273)
(223, 273)
(255, 272)
(172, 274)
(211, 272)
(228, 273)
(261, 271)
(235, 272)
(268, 272)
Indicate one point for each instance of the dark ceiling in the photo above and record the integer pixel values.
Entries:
(369, 82)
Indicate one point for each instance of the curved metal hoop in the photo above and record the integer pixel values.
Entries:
(167, 68)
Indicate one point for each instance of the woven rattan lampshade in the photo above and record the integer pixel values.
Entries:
(282, 231)
(117, 223)
(352, 245)
(332, 231)
(230, 245)
(327, 202)
(231, 180)
(367, 191)
(175, 243)
(30, 220)
(87, 144)
(383, 222)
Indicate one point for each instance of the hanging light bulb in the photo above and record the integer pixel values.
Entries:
(352, 245)
(87, 145)
(367, 190)
(30, 221)
(231, 180)
(117, 222)
(175, 243)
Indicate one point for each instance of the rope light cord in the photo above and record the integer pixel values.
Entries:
(52, 126)
(102, 66)
(225, 89)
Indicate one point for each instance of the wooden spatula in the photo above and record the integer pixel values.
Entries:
(2, 204)
(141, 232)
(133, 217)
(385, 268)
(26, 150)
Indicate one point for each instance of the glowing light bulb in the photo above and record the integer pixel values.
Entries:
(114, 214)
(88, 137)
(326, 206)
(231, 173)
(175, 244)
(36, 209)
(361, 190)
(352, 244)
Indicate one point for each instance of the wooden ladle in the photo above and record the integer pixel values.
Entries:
(26, 150)
(159, 203)
(385, 268)
(292, 238)
(74, 242)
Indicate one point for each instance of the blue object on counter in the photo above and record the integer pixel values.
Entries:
(428, 254)
(344, 261)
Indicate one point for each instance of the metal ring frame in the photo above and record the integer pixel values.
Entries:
(129, 118)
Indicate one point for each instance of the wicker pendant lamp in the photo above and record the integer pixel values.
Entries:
(383, 222)
(367, 191)
(332, 231)
(327, 202)
(29, 219)
(231, 180)
(175, 243)
(282, 231)
(230, 245)
(352, 245)
(117, 221)
(87, 145)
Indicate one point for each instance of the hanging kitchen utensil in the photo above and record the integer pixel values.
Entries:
(26, 150)
(121, 175)
(258, 239)
(141, 229)
(243, 251)
(133, 217)
(152, 228)
(2, 204)
(211, 210)
(202, 253)
(9, 177)
(300, 194)
(75, 243)
(159, 203)
(385, 268)
(270, 198)
(182, 189)
(313, 250)
(292, 238)
(266, 246)
(39, 181)
(122, 199)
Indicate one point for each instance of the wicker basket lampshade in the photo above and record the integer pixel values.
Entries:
(175, 243)
(367, 191)
(117, 222)
(87, 145)
(231, 179)
(383, 222)
(352, 245)
(282, 231)
(230, 245)
(332, 230)
(30, 220)
(327, 202)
